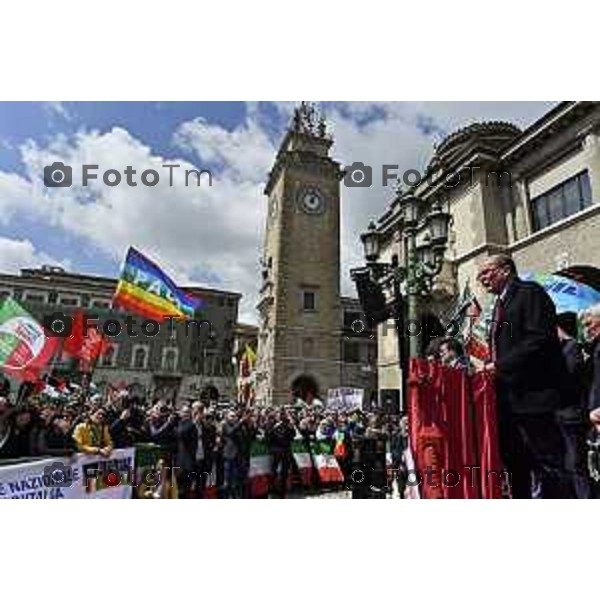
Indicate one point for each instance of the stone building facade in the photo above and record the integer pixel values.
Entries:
(179, 362)
(534, 194)
(301, 341)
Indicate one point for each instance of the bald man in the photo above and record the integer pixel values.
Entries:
(530, 376)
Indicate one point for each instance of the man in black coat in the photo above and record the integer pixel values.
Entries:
(530, 375)
(186, 436)
(280, 437)
(572, 417)
(245, 436)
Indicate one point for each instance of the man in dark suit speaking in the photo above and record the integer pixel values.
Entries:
(530, 376)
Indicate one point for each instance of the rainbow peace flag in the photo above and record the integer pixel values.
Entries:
(145, 289)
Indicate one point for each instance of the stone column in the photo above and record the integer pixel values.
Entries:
(591, 148)
(523, 223)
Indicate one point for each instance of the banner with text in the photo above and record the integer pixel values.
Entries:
(345, 398)
(80, 476)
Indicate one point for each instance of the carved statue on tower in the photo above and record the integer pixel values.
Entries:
(307, 120)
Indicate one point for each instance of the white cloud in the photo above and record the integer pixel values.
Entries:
(246, 152)
(18, 254)
(15, 193)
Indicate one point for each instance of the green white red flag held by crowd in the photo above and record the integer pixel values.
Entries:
(25, 349)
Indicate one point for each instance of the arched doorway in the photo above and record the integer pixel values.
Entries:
(305, 386)
(583, 274)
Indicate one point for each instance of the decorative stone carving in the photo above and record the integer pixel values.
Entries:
(307, 120)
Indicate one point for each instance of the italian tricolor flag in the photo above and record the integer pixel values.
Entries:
(24, 348)
(326, 463)
(303, 461)
(260, 469)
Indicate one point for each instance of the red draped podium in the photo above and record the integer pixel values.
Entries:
(453, 432)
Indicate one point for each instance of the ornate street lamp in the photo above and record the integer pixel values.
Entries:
(423, 261)
(410, 208)
(370, 241)
(438, 223)
(425, 250)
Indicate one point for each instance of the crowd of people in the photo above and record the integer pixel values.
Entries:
(196, 438)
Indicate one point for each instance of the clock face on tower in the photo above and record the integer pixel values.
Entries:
(311, 201)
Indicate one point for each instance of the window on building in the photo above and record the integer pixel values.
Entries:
(4, 294)
(104, 304)
(560, 202)
(140, 357)
(35, 297)
(309, 301)
(371, 353)
(109, 358)
(351, 352)
(169, 359)
(353, 320)
(69, 301)
(226, 367)
(308, 347)
(209, 364)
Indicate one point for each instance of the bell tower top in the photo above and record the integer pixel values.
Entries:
(308, 131)
(307, 137)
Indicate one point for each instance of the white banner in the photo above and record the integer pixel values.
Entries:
(345, 398)
(84, 476)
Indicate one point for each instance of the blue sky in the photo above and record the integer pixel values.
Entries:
(208, 236)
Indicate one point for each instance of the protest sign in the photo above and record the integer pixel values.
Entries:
(345, 398)
(80, 476)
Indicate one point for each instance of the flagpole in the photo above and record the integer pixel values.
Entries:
(90, 374)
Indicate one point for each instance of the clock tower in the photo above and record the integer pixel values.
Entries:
(299, 306)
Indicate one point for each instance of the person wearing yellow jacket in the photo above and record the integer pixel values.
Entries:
(92, 436)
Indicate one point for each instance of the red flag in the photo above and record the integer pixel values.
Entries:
(73, 343)
(86, 346)
(94, 346)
